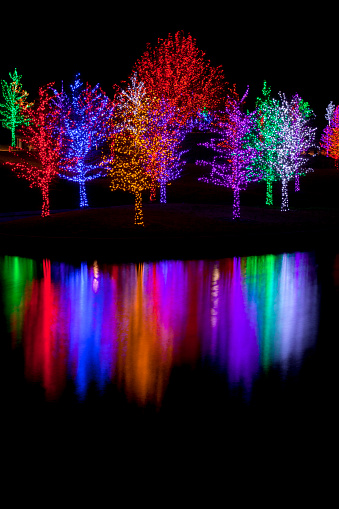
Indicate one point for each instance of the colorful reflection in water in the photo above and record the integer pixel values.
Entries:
(130, 324)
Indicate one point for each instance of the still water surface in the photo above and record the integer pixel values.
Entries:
(214, 342)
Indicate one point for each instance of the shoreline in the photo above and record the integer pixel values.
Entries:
(173, 231)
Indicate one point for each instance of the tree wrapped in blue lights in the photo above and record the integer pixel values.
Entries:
(85, 126)
(234, 154)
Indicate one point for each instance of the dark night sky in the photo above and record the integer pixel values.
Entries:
(293, 49)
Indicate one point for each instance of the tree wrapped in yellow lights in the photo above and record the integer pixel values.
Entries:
(127, 170)
(127, 162)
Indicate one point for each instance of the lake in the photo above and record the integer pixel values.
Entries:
(209, 354)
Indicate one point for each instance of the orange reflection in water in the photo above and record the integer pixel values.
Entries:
(145, 353)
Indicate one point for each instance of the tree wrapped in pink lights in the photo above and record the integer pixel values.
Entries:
(85, 125)
(41, 164)
(234, 154)
(330, 136)
(295, 138)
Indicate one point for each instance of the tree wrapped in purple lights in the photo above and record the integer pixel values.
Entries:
(232, 164)
(85, 126)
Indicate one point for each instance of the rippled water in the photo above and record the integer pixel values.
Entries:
(204, 345)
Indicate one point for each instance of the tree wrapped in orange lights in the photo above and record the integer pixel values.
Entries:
(127, 162)
(177, 71)
(40, 166)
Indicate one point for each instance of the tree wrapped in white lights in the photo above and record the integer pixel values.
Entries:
(295, 138)
(234, 154)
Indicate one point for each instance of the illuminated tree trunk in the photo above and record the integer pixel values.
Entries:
(153, 193)
(13, 133)
(269, 192)
(284, 197)
(83, 195)
(45, 202)
(297, 183)
(236, 203)
(163, 198)
(138, 214)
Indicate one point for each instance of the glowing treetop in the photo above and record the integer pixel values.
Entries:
(177, 71)
(14, 108)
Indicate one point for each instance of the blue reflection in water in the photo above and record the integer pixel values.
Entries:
(129, 326)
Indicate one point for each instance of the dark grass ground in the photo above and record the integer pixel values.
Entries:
(196, 221)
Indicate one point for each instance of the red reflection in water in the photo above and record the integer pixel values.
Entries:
(44, 346)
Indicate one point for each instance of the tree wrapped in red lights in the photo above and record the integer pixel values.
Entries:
(13, 109)
(330, 135)
(178, 72)
(84, 126)
(232, 164)
(42, 135)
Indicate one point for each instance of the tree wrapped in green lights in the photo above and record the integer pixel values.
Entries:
(264, 139)
(13, 111)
